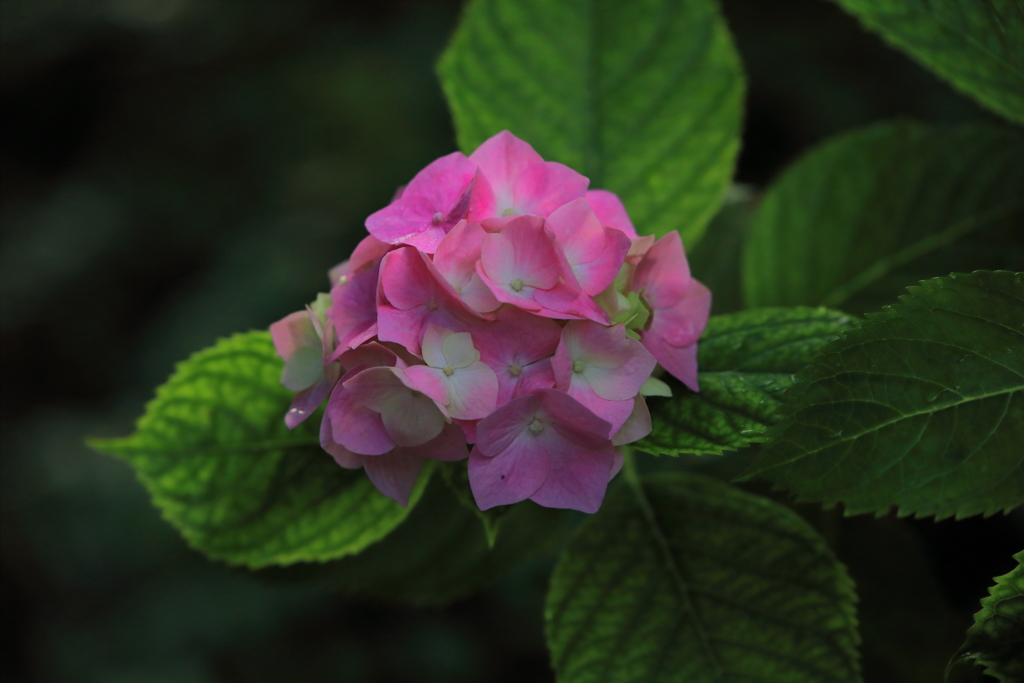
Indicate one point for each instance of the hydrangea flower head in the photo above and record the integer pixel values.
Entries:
(498, 303)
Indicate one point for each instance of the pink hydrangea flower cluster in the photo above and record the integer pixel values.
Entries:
(501, 311)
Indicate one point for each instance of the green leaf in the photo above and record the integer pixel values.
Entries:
(859, 207)
(214, 452)
(439, 554)
(715, 261)
(747, 360)
(977, 45)
(644, 98)
(996, 639)
(921, 406)
(680, 578)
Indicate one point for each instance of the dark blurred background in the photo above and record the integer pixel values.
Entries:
(177, 170)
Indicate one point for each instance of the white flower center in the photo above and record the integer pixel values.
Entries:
(449, 370)
(438, 217)
(508, 212)
(515, 369)
(536, 427)
(516, 285)
(433, 305)
(578, 366)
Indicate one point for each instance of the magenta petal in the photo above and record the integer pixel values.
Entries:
(615, 413)
(430, 381)
(417, 296)
(594, 253)
(680, 363)
(616, 464)
(610, 211)
(448, 446)
(562, 302)
(573, 419)
(637, 426)
(368, 355)
(354, 426)
(366, 252)
(501, 159)
(663, 274)
(682, 324)
(577, 479)
(395, 473)
(496, 432)
(507, 478)
(534, 376)
(540, 188)
(292, 332)
(341, 455)
(353, 310)
(306, 402)
(418, 217)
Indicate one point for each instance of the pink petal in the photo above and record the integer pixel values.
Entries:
(354, 426)
(411, 418)
(497, 431)
(341, 455)
(523, 460)
(473, 392)
(424, 213)
(457, 254)
(353, 310)
(430, 381)
(508, 478)
(681, 363)
(468, 429)
(515, 337)
(368, 356)
(610, 211)
(373, 387)
(303, 368)
(449, 446)
(291, 332)
(366, 252)
(663, 274)
(595, 253)
(524, 249)
(578, 478)
(615, 413)
(395, 473)
(614, 364)
(307, 401)
(637, 426)
(616, 464)
(561, 302)
(541, 188)
(683, 323)
(672, 333)
(535, 376)
(416, 296)
(574, 420)
(501, 159)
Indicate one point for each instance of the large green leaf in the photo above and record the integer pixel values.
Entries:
(215, 454)
(921, 407)
(996, 639)
(644, 98)
(681, 578)
(858, 208)
(439, 554)
(747, 360)
(977, 45)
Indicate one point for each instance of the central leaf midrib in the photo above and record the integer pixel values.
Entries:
(636, 486)
(902, 416)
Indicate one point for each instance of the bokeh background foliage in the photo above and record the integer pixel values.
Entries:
(177, 171)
